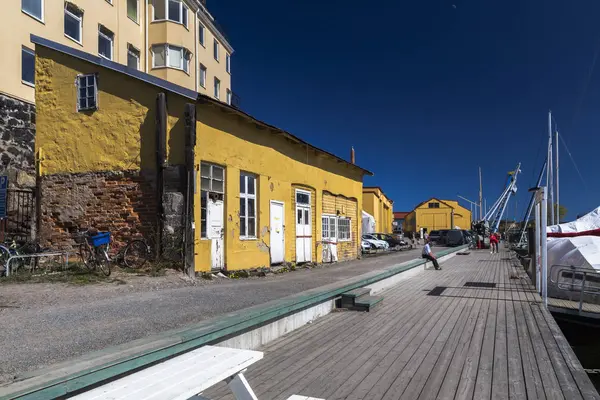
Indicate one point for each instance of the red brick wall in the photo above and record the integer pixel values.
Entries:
(123, 203)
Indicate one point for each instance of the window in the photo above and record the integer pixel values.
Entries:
(133, 57)
(166, 55)
(87, 92)
(228, 96)
(212, 179)
(344, 232)
(329, 228)
(27, 66)
(34, 8)
(434, 205)
(173, 10)
(73, 22)
(247, 205)
(132, 10)
(201, 33)
(217, 87)
(302, 197)
(202, 76)
(105, 42)
(216, 49)
(228, 63)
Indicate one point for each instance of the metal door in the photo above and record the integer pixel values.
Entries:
(215, 233)
(277, 243)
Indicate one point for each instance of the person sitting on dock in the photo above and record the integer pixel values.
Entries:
(428, 254)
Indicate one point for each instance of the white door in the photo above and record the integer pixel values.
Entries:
(277, 234)
(214, 233)
(329, 238)
(303, 234)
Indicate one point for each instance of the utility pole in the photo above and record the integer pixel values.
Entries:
(480, 196)
(549, 172)
(557, 187)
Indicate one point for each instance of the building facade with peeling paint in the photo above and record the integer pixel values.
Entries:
(127, 152)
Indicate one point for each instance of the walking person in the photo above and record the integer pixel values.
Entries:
(493, 243)
(428, 254)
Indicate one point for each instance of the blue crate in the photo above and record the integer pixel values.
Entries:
(100, 239)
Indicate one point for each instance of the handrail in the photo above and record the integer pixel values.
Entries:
(579, 280)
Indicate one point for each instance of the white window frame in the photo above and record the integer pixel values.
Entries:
(185, 59)
(202, 35)
(204, 193)
(216, 49)
(79, 77)
(77, 17)
(182, 7)
(41, 17)
(110, 39)
(31, 52)
(228, 96)
(137, 11)
(131, 50)
(228, 63)
(217, 88)
(344, 239)
(202, 75)
(331, 219)
(245, 196)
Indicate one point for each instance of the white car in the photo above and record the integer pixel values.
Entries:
(379, 244)
(366, 246)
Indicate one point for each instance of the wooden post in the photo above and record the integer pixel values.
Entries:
(190, 144)
(161, 159)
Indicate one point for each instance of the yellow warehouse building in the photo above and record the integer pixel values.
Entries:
(376, 203)
(435, 214)
(133, 154)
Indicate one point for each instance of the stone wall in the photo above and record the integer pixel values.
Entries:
(17, 141)
(122, 203)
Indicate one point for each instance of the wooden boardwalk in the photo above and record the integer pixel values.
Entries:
(467, 343)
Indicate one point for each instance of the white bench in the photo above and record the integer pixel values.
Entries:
(183, 377)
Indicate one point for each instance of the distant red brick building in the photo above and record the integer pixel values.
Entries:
(399, 220)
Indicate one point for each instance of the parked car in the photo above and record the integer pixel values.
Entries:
(434, 236)
(366, 246)
(442, 241)
(392, 241)
(456, 237)
(379, 244)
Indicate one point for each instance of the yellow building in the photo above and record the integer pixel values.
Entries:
(376, 203)
(176, 40)
(244, 194)
(435, 214)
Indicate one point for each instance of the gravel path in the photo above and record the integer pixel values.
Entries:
(46, 323)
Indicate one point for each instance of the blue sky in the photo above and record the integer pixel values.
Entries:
(427, 91)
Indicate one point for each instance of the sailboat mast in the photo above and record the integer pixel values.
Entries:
(549, 174)
(557, 186)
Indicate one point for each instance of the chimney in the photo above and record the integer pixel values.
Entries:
(352, 156)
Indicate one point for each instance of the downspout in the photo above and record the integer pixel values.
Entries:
(197, 77)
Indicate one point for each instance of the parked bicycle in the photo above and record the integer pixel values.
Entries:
(12, 247)
(95, 252)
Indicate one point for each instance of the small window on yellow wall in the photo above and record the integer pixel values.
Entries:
(247, 205)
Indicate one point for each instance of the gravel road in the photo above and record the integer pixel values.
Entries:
(45, 323)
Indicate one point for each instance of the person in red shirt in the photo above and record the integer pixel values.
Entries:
(493, 243)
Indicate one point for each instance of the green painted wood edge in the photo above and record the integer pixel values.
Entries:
(202, 334)
(368, 302)
(356, 292)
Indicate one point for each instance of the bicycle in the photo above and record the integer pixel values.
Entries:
(134, 255)
(93, 250)
(12, 247)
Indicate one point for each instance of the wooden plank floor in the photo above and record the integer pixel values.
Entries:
(468, 343)
(574, 305)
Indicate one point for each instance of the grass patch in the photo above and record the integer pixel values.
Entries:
(75, 273)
